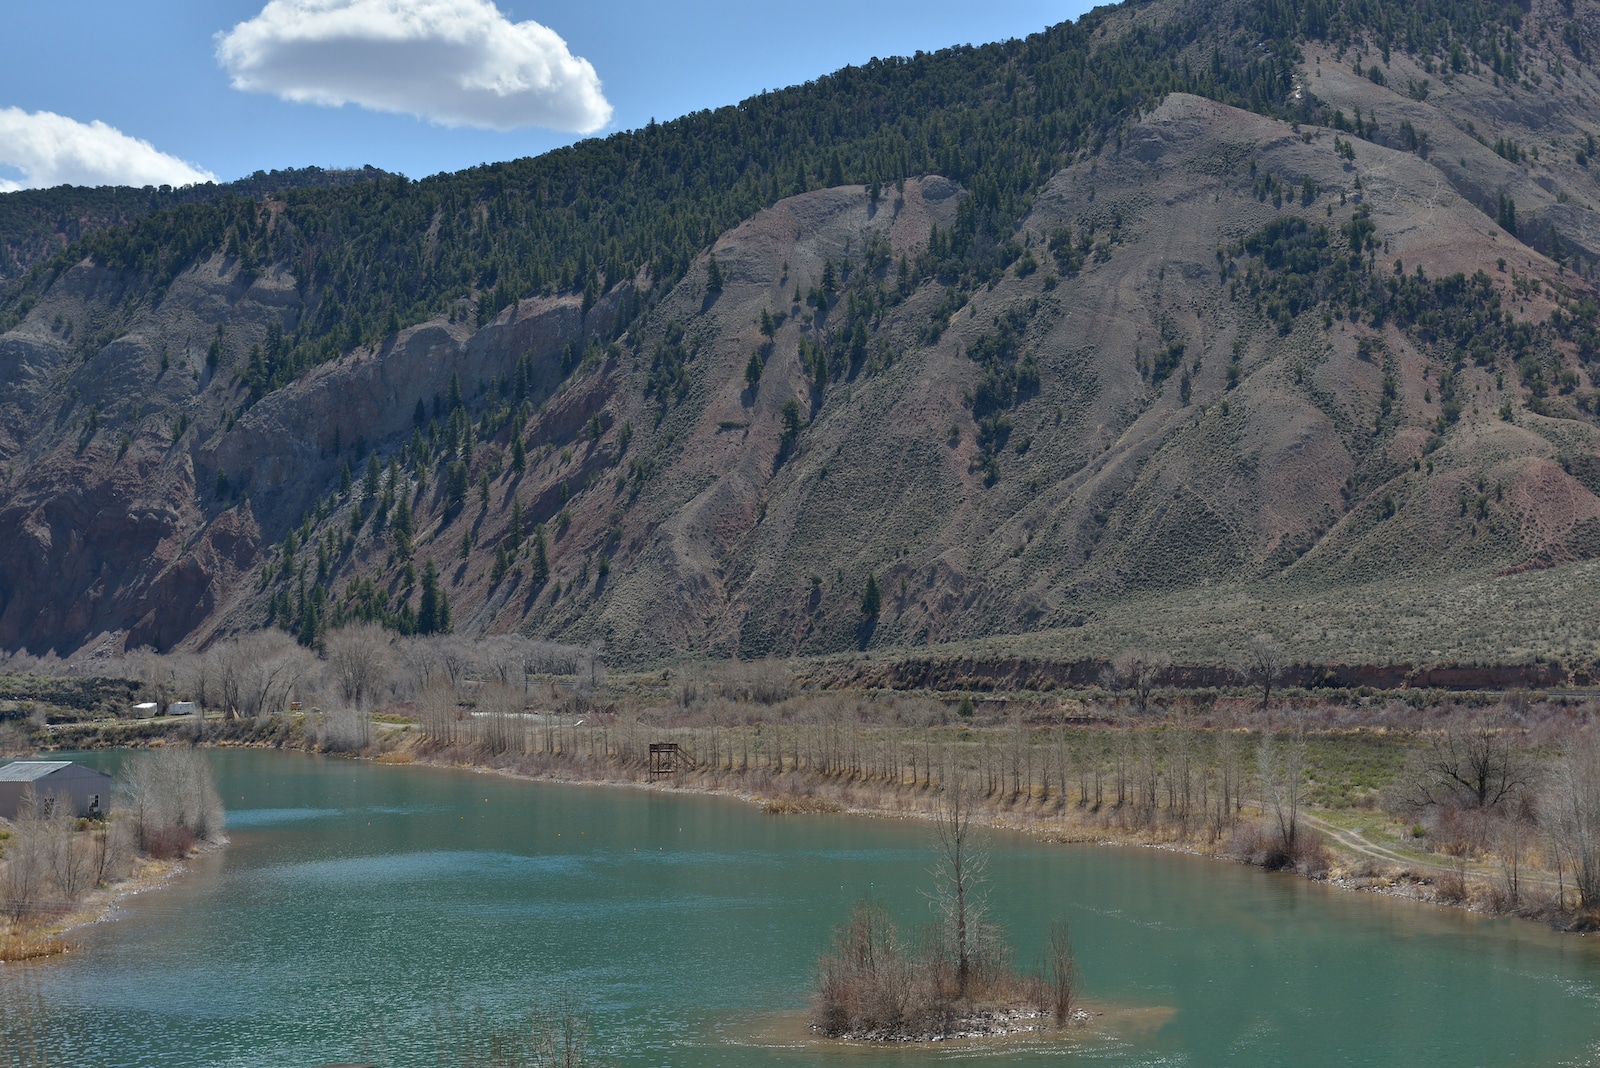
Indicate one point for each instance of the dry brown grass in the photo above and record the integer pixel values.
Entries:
(17, 946)
(783, 806)
(394, 757)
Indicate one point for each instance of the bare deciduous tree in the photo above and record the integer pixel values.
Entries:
(1475, 764)
(1282, 765)
(71, 865)
(1264, 665)
(359, 657)
(1138, 670)
(171, 799)
(865, 983)
(960, 883)
(1061, 972)
(437, 705)
(27, 861)
(257, 673)
(1573, 807)
(1512, 838)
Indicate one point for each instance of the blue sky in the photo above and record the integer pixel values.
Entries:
(151, 70)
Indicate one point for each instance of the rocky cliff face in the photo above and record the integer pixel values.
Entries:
(1115, 417)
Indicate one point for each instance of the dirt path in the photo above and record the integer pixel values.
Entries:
(1354, 841)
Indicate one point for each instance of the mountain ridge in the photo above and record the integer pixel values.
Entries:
(1188, 364)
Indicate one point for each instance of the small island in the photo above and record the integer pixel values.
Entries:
(956, 978)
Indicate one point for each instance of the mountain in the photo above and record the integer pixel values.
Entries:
(37, 224)
(1178, 324)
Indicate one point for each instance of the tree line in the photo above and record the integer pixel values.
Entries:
(375, 256)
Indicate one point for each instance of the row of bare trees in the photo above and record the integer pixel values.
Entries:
(49, 863)
(1480, 780)
(358, 669)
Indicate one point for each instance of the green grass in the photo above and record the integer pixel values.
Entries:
(1350, 770)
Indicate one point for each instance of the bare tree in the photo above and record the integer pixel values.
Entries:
(592, 671)
(498, 722)
(27, 860)
(1282, 767)
(107, 851)
(359, 657)
(346, 729)
(1264, 665)
(1473, 764)
(1138, 670)
(1061, 972)
(1513, 836)
(438, 708)
(197, 679)
(1573, 806)
(158, 673)
(458, 658)
(171, 799)
(71, 867)
(865, 983)
(421, 657)
(257, 673)
(503, 658)
(960, 885)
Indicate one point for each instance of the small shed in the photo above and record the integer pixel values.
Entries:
(181, 708)
(55, 782)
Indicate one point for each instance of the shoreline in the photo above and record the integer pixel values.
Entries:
(1353, 873)
(48, 939)
(1348, 870)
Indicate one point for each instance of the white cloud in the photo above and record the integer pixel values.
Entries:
(456, 62)
(51, 149)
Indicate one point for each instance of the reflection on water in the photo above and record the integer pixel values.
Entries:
(357, 903)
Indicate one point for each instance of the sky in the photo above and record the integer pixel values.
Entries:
(176, 91)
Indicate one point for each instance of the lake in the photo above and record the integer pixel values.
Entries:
(359, 905)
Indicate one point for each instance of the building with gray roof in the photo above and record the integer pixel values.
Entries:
(52, 783)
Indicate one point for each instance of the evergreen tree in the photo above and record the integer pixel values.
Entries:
(713, 276)
(858, 343)
(791, 427)
(433, 613)
(519, 454)
(370, 482)
(541, 558)
(345, 481)
(402, 517)
(455, 486)
(871, 599)
(1508, 215)
(752, 370)
(514, 528)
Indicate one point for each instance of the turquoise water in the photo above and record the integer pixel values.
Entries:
(357, 906)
